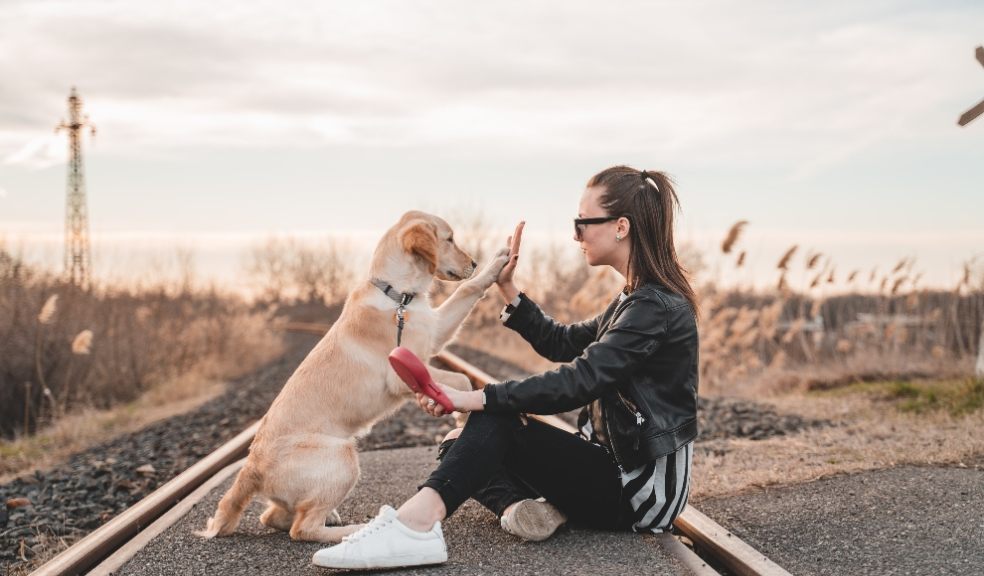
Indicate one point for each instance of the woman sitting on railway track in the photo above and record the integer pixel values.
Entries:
(633, 368)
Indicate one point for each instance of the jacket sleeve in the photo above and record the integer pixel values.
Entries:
(554, 341)
(638, 329)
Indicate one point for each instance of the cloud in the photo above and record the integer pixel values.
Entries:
(38, 153)
(795, 89)
(786, 94)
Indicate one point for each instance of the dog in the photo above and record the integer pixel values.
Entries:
(303, 458)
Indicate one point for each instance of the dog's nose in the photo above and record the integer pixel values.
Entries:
(474, 264)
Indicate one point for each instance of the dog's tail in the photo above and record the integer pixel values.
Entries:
(231, 506)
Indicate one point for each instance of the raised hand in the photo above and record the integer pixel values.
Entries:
(487, 275)
(505, 278)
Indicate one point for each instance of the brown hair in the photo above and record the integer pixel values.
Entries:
(652, 254)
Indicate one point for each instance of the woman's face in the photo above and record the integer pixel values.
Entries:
(598, 240)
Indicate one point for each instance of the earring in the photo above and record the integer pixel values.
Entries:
(618, 237)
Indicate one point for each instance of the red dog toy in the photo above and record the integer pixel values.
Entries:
(412, 371)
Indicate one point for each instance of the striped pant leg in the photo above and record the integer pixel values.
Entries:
(657, 492)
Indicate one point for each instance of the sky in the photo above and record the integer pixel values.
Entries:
(828, 125)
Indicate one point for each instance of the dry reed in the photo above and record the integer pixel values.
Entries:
(786, 257)
(732, 237)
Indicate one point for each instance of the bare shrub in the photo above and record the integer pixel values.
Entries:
(288, 270)
(65, 349)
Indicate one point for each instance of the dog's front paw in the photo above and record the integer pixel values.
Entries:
(487, 275)
(333, 519)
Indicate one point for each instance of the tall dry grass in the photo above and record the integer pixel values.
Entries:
(820, 332)
(64, 350)
(816, 328)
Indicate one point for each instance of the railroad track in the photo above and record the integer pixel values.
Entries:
(112, 544)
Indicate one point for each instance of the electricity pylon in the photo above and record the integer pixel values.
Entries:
(77, 260)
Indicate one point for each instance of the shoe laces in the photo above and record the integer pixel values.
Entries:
(371, 527)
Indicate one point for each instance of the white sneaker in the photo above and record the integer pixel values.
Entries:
(532, 519)
(385, 542)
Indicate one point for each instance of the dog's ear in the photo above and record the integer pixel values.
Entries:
(419, 237)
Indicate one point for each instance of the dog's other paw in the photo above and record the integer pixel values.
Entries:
(333, 519)
(487, 275)
(211, 530)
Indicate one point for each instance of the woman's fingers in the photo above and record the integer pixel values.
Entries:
(513, 242)
(516, 239)
(428, 405)
(435, 409)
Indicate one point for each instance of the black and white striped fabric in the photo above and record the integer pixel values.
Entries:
(657, 491)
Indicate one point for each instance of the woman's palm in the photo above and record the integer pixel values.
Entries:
(506, 274)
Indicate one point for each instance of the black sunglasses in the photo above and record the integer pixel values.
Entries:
(580, 223)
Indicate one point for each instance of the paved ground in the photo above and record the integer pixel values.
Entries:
(907, 520)
(476, 545)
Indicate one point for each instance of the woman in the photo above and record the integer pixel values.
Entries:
(633, 368)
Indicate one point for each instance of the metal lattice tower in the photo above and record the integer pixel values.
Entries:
(77, 260)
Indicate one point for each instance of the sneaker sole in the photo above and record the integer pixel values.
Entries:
(534, 521)
(390, 562)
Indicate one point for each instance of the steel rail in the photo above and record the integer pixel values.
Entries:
(101, 542)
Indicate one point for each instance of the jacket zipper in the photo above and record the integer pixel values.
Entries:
(611, 441)
(639, 418)
(638, 415)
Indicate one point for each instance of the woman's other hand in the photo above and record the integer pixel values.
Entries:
(505, 279)
(470, 401)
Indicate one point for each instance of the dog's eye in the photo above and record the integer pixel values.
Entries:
(450, 239)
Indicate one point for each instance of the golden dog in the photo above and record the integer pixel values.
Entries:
(303, 459)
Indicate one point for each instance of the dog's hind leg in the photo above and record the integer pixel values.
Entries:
(309, 525)
(320, 477)
(277, 517)
(231, 506)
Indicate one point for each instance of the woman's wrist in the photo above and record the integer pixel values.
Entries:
(508, 291)
(474, 401)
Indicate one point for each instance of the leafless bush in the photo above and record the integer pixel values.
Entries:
(64, 349)
(287, 270)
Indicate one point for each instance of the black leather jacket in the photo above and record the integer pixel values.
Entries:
(633, 368)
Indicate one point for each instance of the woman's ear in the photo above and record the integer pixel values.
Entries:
(419, 237)
(623, 225)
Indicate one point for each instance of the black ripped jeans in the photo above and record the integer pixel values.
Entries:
(503, 458)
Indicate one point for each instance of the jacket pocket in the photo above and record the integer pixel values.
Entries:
(631, 407)
(625, 424)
